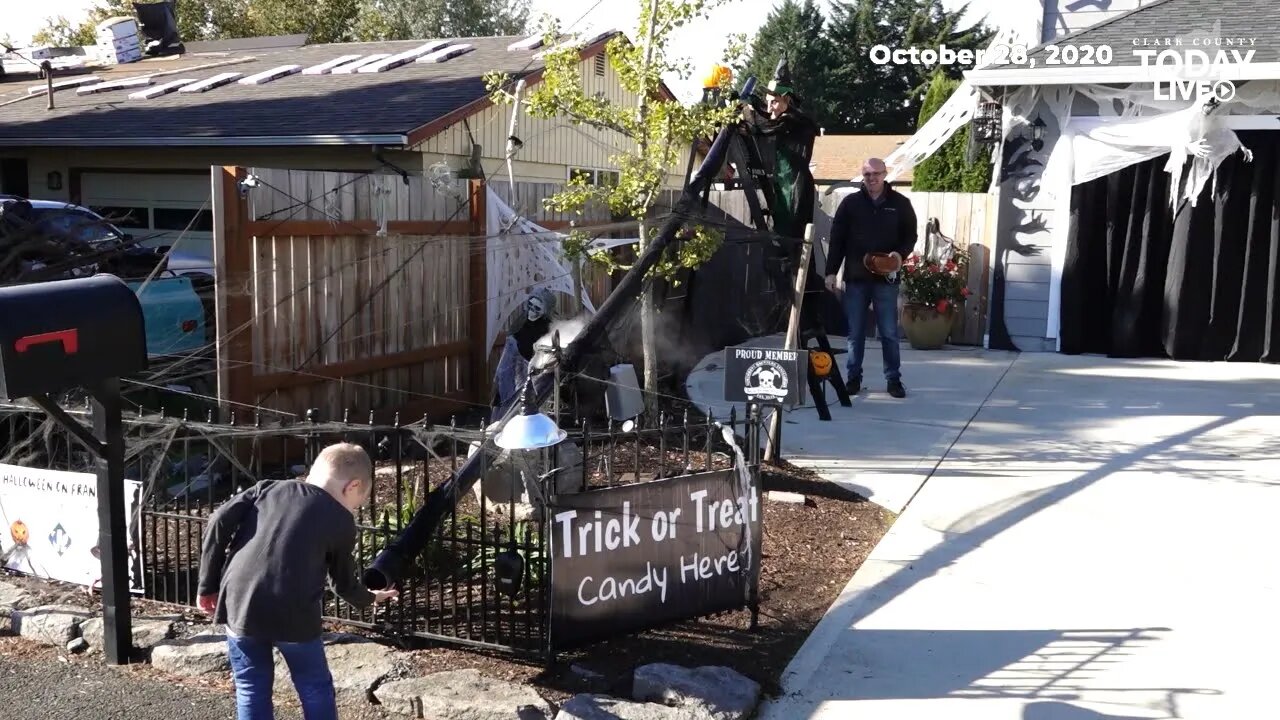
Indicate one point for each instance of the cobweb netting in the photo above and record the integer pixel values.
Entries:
(523, 258)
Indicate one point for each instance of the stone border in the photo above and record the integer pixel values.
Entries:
(367, 672)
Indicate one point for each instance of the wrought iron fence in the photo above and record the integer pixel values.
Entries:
(187, 467)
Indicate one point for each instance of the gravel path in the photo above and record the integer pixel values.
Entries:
(36, 687)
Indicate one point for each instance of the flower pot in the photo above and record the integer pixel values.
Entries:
(925, 327)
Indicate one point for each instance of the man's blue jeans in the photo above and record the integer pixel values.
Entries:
(253, 667)
(858, 295)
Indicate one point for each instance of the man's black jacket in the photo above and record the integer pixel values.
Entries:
(860, 227)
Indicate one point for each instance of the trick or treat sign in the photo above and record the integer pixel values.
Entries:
(634, 557)
(50, 525)
(764, 375)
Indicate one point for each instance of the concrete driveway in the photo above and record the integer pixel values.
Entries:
(1098, 541)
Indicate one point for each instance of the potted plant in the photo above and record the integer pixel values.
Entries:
(933, 289)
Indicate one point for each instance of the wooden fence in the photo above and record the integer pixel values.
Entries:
(968, 219)
(342, 290)
(318, 308)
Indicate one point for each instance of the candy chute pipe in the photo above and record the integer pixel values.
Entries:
(388, 568)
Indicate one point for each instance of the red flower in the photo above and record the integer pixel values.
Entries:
(942, 305)
(933, 267)
(951, 266)
(966, 292)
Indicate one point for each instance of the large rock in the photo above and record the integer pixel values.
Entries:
(12, 598)
(357, 667)
(603, 707)
(462, 695)
(197, 655)
(147, 632)
(54, 625)
(710, 693)
(512, 478)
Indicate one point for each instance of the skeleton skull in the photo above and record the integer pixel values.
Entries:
(536, 308)
(766, 378)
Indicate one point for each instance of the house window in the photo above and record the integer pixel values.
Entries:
(180, 219)
(128, 218)
(603, 178)
(600, 65)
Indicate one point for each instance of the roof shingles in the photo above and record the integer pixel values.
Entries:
(1148, 27)
(394, 102)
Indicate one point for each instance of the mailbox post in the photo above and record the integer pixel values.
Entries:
(83, 333)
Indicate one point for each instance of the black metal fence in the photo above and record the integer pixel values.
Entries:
(187, 467)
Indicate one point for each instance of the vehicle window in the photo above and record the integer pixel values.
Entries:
(74, 224)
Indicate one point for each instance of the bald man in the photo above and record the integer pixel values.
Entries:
(875, 219)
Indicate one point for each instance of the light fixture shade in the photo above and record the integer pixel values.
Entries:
(529, 432)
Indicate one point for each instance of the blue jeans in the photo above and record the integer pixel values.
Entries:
(858, 295)
(253, 668)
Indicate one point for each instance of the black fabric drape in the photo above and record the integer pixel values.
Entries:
(1201, 283)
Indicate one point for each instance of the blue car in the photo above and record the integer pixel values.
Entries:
(176, 302)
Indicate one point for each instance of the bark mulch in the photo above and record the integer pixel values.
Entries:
(810, 551)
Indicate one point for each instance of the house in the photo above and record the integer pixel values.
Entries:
(137, 139)
(839, 158)
(1136, 192)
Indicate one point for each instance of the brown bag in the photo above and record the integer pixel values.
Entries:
(881, 263)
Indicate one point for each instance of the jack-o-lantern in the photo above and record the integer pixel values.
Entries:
(19, 532)
(820, 361)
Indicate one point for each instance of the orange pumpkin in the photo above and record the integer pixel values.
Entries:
(18, 530)
(820, 361)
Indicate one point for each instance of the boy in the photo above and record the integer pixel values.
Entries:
(283, 537)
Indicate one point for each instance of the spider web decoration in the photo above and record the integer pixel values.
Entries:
(523, 257)
(441, 177)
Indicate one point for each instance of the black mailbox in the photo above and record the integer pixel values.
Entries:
(68, 333)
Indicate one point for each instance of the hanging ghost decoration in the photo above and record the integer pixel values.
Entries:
(539, 304)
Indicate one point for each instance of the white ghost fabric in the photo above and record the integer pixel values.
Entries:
(954, 114)
(522, 258)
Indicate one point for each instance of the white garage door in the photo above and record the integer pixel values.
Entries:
(167, 208)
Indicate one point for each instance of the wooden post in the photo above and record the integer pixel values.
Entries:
(478, 281)
(233, 283)
(773, 448)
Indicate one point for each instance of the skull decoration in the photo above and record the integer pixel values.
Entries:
(536, 308)
(540, 305)
(766, 378)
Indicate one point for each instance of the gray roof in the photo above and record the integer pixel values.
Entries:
(1144, 27)
(357, 108)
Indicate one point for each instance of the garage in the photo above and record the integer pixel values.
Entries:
(1195, 282)
(1144, 196)
(167, 208)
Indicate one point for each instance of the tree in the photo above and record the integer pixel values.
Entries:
(658, 130)
(323, 21)
(61, 32)
(867, 97)
(406, 19)
(797, 31)
(948, 169)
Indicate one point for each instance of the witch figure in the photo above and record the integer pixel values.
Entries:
(785, 137)
(792, 134)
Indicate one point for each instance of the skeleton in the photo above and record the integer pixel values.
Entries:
(535, 307)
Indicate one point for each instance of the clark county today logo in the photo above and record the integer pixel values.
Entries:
(1197, 60)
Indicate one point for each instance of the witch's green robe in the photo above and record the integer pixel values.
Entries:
(792, 135)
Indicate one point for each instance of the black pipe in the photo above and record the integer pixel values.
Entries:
(388, 568)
